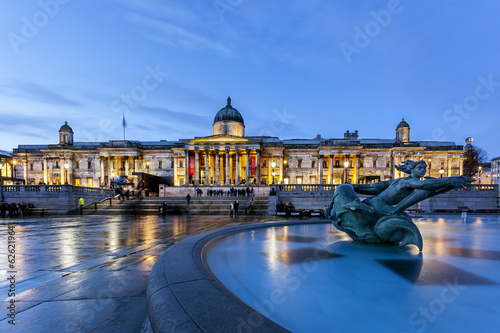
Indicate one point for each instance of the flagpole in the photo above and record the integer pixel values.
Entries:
(124, 124)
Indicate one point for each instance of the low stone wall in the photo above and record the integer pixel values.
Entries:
(58, 199)
(182, 191)
(317, 197)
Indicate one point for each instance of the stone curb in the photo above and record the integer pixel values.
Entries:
(182, 295)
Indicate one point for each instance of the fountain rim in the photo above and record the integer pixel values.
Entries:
(181, 285)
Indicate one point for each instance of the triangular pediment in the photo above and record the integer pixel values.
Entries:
(218, 138)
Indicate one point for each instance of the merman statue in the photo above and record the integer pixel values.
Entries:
(380, 219)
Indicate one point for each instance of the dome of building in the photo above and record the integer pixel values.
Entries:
(228, 113)
(66, 127)
(402, 124)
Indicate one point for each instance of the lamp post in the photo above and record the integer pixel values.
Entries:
(480, 171)
(429, 166)
(66, 166)
(273, 165)
(346, 165)
(441, 173)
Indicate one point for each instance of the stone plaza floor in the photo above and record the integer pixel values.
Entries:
(87, 274)
(312, 278)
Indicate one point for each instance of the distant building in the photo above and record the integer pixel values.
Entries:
(6, 170)
(229, 157)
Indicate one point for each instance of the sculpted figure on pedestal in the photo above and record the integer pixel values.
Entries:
(380, 219)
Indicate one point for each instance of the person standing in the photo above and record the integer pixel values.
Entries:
(188, 198)
(164, 208)
(231, 207)
(81, 202)
(236, 205)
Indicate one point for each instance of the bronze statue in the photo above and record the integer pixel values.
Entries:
(381, 219)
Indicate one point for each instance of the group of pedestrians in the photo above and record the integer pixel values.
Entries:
(12, 209)
(234, 209)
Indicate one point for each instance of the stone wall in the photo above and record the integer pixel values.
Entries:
(316, 197)
(58, 199)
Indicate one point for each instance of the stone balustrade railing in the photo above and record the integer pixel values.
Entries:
(54, 188)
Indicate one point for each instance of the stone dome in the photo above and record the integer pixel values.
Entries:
(228, 113)
(402, 124)
(66, 128)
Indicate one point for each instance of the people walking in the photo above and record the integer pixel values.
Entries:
(231, 207)
(236, 205)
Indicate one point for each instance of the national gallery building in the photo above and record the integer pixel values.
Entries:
(228, 157)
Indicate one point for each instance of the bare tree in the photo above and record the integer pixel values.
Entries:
(473, 157)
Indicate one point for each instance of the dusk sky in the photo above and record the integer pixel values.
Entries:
(294, 69)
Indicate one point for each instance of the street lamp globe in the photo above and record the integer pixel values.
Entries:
(273, 164)
(66, 167)
(346, 164)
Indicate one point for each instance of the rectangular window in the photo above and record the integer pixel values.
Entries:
(299, 180)
(90, 182)
(31, 166)
(313, 164)
(159, 164)
(299, 163)
(181, 180)
(77, 181)
(89, 165)
(337, 163)
(181, 164)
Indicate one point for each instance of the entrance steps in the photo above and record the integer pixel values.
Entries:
(179, 206)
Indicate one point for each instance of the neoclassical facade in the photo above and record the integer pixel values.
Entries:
(229, 157)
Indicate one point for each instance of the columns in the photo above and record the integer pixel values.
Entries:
(356, 170)
(196, 166)
(331, 168)
(237, 179)
(217, 157)
(461, 161)
(101, 166)
(227, 167)
(320, 166)
(174, 158)
(247, 174)
(127, 159)
(186, 167)
(25, 172)
(395, 171)
(207, 171)
(45, 170)
(448, 161)
(280, 179)
(258, 167)
(111, 165)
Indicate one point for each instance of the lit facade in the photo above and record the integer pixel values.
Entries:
(228, 157)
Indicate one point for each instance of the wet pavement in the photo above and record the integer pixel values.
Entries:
(87, 274)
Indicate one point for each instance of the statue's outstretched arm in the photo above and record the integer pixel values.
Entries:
(440, 184)
(373, 189)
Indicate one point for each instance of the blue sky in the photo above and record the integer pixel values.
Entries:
(292, 68)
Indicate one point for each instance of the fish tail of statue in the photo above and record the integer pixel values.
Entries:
(399, 229)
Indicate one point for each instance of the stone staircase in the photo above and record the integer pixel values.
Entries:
(178, 206)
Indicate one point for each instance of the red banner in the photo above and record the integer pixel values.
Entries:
(252, 165)
(191, 165)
